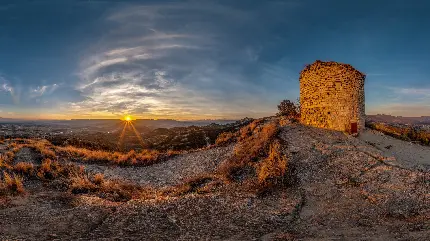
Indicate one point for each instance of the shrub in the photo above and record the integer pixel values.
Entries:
(288, 108)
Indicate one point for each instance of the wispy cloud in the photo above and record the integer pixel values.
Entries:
(41, 90)
(177, 60)
(423, 92)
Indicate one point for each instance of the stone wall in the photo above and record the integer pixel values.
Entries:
(332, 96)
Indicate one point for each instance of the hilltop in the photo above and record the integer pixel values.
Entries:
(270, 180)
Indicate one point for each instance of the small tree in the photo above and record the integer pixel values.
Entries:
(288, 108)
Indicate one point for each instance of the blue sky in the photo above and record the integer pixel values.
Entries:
(206, 58)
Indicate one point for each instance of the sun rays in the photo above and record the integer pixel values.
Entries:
(128, 124)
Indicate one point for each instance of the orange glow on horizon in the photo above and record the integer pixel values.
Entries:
(128, 118)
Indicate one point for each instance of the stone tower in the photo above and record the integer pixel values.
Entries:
(332, 96)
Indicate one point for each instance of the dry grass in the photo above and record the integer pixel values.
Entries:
(49, 151)
(50, 170)
(98, 178)
(204, 183)
(24, 168)
(113, 190)
(44, 147)
(143, 158)
(253, 144)
(225, 138)
(402, 133)
(273, 167)
(11, 184)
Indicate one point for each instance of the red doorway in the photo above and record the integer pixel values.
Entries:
(354, 128)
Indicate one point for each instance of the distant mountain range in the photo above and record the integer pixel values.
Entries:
(399, 119)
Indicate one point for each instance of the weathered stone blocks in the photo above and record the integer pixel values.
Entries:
(332, 96)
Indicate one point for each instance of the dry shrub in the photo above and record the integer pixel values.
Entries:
(274, 166)
(24, 168)
(50, 170)
(224, 138)
(11, 184)
(289, 109)
(98, 178)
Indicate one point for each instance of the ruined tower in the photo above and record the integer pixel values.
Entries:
(332, 96)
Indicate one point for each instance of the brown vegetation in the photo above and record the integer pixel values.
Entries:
(142, 158)
(24, 168)
(273, 167)
(403, 133)
(11, 184)
(225, 138)
(289, 109)
(257, 155)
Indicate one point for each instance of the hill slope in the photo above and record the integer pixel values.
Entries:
(337, 187)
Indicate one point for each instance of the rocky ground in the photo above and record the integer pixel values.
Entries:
(342, 188)
(405, 153)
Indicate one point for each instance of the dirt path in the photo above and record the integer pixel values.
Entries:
(406, 153)
(170, 172)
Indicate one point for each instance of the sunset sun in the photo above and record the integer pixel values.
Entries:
(127, 118)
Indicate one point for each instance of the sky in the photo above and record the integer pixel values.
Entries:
(204, 59)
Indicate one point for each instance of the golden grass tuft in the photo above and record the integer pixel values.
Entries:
(145, 157)
(253, 144)
(99, 178)
(50, 170)
(225, 138)
(274, 166)
(24, 168)
(11, 184)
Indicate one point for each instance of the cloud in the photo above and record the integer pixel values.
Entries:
(180, 60)
(403, 101)
(423, 92)
(41, 90)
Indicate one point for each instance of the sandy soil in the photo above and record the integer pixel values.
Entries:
(405, 153)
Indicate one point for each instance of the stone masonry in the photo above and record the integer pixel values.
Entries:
(332, 96)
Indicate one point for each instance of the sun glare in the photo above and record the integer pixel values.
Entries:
(127, 118)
